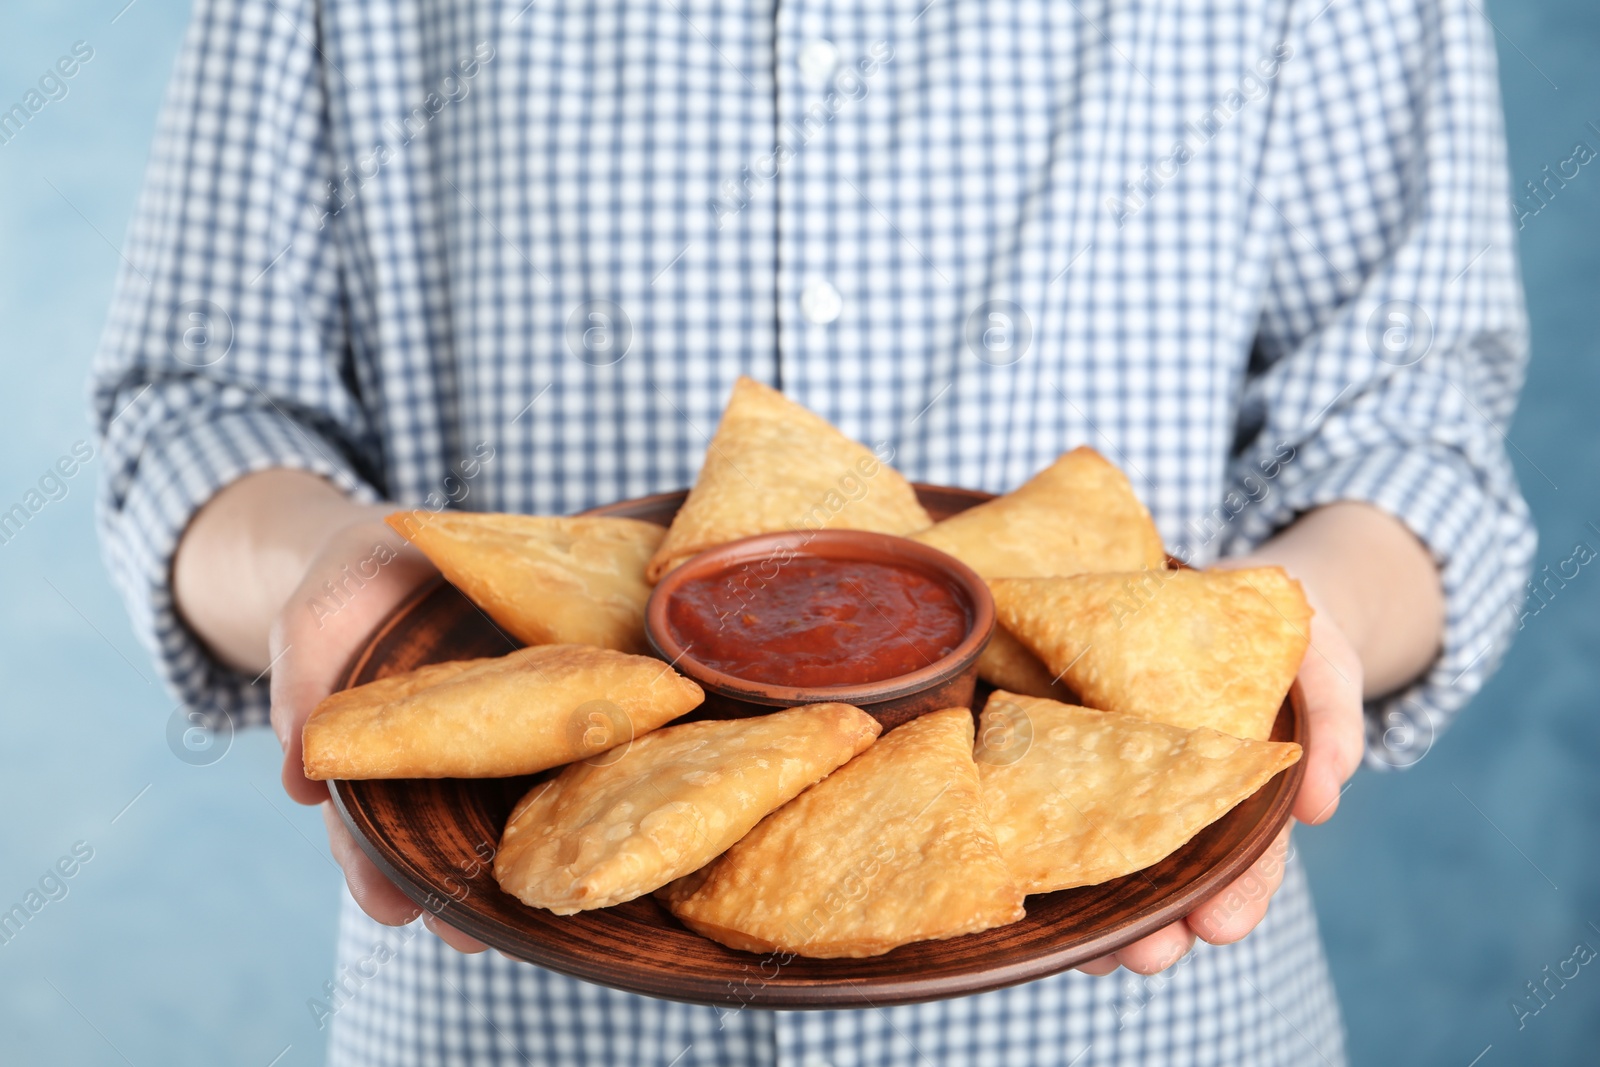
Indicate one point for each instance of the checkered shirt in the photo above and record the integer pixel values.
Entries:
(512, 256)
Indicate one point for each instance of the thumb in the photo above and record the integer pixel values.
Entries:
(312, 643)
(1329, 687)
(299, 683)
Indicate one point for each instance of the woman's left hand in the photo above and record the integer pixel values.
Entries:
(1330, 681)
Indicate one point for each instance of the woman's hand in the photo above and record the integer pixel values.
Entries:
(1379, 617)
(281, 571)
(1330, 684)
(362, 572)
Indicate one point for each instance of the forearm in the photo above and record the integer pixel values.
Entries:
(1364, 568)
(244, 553)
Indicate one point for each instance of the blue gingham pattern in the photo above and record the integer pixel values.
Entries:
(1259, 253)
(1263, 1001)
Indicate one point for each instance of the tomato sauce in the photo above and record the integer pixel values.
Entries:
(812, 622)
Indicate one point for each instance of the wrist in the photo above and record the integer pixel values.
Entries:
(1331, 600)
(247, 549)
(1364, 572)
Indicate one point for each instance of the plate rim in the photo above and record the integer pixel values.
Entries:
(809, 995)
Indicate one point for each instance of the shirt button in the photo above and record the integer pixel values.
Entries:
(817, 61)
(820, 303)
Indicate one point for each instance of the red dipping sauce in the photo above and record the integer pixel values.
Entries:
(811, 622)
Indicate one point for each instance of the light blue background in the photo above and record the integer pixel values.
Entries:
(205, 919)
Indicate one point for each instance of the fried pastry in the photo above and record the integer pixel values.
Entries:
(1187, 648)
(545, 579)
(1079, 797)
(1076, 516)
(538, 707)
(1006, 663)
(891, 848)
(1079, 515)
(607, 830)
(773, 465)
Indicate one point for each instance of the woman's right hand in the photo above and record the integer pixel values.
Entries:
(282, 572)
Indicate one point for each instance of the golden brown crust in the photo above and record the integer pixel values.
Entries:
(891, 848)
(1078, 515)
(538, 707)
(1006, 663)
(772, 466)
(1078, 797)
(1189, 648)
(548, 580)
(610, 829)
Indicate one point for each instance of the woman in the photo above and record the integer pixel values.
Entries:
(512, 257)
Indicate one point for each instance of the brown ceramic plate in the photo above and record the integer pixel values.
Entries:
(435, 838)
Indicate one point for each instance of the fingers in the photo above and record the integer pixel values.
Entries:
(301, 790)
(1158, 951)
(311, 643)
(1150, 954)
(297, 686)
(1222, 920)
(451, 936)
(1318, 798)
(1100, 967)
(379, 897)
(1333, 752)
(1234, 912)
(347, 591)
(296, 689)
(1329, 685)
(1330, 688)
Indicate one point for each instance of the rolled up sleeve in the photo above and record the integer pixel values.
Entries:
(1393, 336)
(226, 348)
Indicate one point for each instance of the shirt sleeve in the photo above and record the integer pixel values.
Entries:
(1393, 337)
(226, 349)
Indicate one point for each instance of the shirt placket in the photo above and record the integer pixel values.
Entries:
(809, 300)
(812, 40)
(814, 43)
(850, 281)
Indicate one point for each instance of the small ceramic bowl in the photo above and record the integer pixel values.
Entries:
(947, 682)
